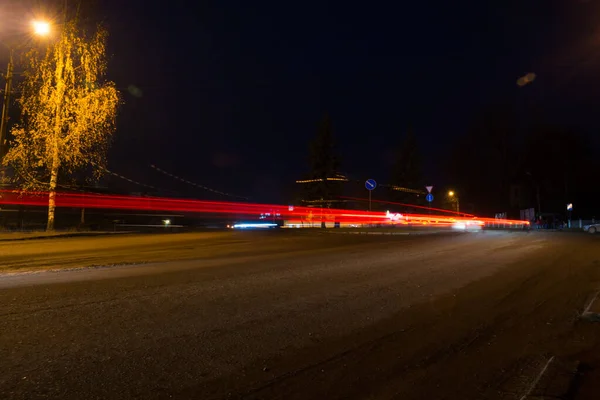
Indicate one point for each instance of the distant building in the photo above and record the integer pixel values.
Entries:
(350, 193)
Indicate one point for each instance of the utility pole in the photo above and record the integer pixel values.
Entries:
(537, 196)
(40, 28)
(5, 107)
(536, 184)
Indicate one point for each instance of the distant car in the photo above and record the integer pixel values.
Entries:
(593, 228)
(253, 225)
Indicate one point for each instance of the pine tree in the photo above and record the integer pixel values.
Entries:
(407, 170)
(324, 164)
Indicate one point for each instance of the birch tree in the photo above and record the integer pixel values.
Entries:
(68, 113)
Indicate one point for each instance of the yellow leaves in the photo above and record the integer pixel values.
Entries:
(66, 105)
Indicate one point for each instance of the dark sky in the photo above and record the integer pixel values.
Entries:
(231, 92)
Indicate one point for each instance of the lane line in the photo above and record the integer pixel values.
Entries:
(536, 381)
(587, 309)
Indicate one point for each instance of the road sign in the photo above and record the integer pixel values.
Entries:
(570, 207)
(370, 184)
(429, 197)
(428, 188)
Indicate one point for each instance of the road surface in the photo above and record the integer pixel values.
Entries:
(321, 317)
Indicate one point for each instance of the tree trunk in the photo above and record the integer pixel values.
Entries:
(58, 124)
(52, 192)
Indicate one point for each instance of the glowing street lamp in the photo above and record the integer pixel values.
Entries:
(452, 195)
(41, 28)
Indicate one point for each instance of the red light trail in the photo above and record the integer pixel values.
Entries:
(238, 210)
(410, 205)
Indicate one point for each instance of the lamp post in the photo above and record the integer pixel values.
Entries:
(7, 89)
(39, 28)
(454, 196)
(537, 191)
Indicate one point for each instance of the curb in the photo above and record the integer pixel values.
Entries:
(390, 233)
(62, 236)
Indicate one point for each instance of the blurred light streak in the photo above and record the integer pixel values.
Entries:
(238, 210)
(409, 205)
(245, 226)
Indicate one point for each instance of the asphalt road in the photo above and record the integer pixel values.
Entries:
(305, 317)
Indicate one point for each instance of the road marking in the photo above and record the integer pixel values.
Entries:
(537, 379)
(587, 309)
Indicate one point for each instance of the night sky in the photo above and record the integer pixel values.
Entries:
(229, 93)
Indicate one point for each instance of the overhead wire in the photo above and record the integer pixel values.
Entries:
(195, 184)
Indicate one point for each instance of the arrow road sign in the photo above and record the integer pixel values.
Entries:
(429, 197)
(370, 184)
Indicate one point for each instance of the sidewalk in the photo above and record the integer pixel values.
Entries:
(13, 236)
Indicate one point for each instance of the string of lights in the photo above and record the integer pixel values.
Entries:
(344, 179)
(403, 189)
(322, 180)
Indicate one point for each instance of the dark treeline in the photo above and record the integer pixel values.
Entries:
(499, 164)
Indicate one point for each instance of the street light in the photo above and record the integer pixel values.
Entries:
(39, 28)
(451, 194)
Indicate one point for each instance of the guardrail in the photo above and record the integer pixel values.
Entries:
(506, 225)
(580, 223)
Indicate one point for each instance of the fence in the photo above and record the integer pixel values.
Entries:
(580, 223)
